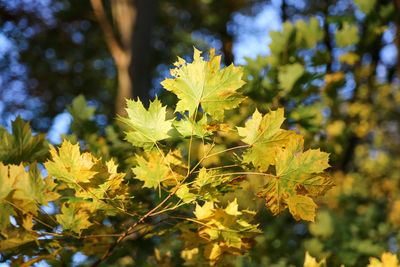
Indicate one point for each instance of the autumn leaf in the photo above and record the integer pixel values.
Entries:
(302, 207)
(7, 210)
(73, 219)
(153, 169)
(69, 165)
(21, 146)
(264, 135)
(186, 127)
(146, 127)
(309, 261)
(387, 260)
(184, 194)
(203, 83)
(32, 187)
(23, 191)
(298, 177)
(223, 230)
(16, 237)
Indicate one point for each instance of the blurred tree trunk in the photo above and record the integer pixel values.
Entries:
(130, 46)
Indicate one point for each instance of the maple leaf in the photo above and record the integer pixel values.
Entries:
(153, 169)
(32, 187)
(298, 176)
(113, 186)
(210, 184)
(388, 260)
(23, 191)
(15, 237)
(146, 127)
(187, 128)
(184, 194)
(203, 83)
(309, 261)
(223, 230)
(6, 211)
(264, 136)
(302, 207)
(69, 165)
(205, 211)
(21, 146)
(73, 219)
(6, 181)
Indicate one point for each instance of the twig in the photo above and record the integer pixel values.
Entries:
(124, 234)
(227, 150)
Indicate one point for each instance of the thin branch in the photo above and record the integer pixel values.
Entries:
(23, 211)
(227, 150)
(223, 167)
(191, 138)
(203, 158)
(124, 234)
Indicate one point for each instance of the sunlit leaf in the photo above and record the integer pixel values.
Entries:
(146, 127)
(203, 83)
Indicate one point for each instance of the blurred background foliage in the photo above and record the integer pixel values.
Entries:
(334, 66)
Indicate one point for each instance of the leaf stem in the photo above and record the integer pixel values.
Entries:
(227, 150)
(191, 138)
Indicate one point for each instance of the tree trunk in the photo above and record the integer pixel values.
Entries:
(141, 68)
(134, 20)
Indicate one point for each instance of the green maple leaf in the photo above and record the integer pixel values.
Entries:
(187, 128)
(152, 171)
(203, 83)
(289, 74)
(264, 136)
(146, 127)
(184, 194)
(73, 219)
(79, 109)
(298, 177)
(21, 146)
(69, 165)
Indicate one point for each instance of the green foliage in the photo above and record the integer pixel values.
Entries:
(346, 36)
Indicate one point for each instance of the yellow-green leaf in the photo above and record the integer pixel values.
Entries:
(203, 83)
(309, 261)
(152, 170)
(387, 260)
(69, 165)
(298, 177)
(264, 136)
(302, 207)
(146, 127)
(21, 146)
(73, 219)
